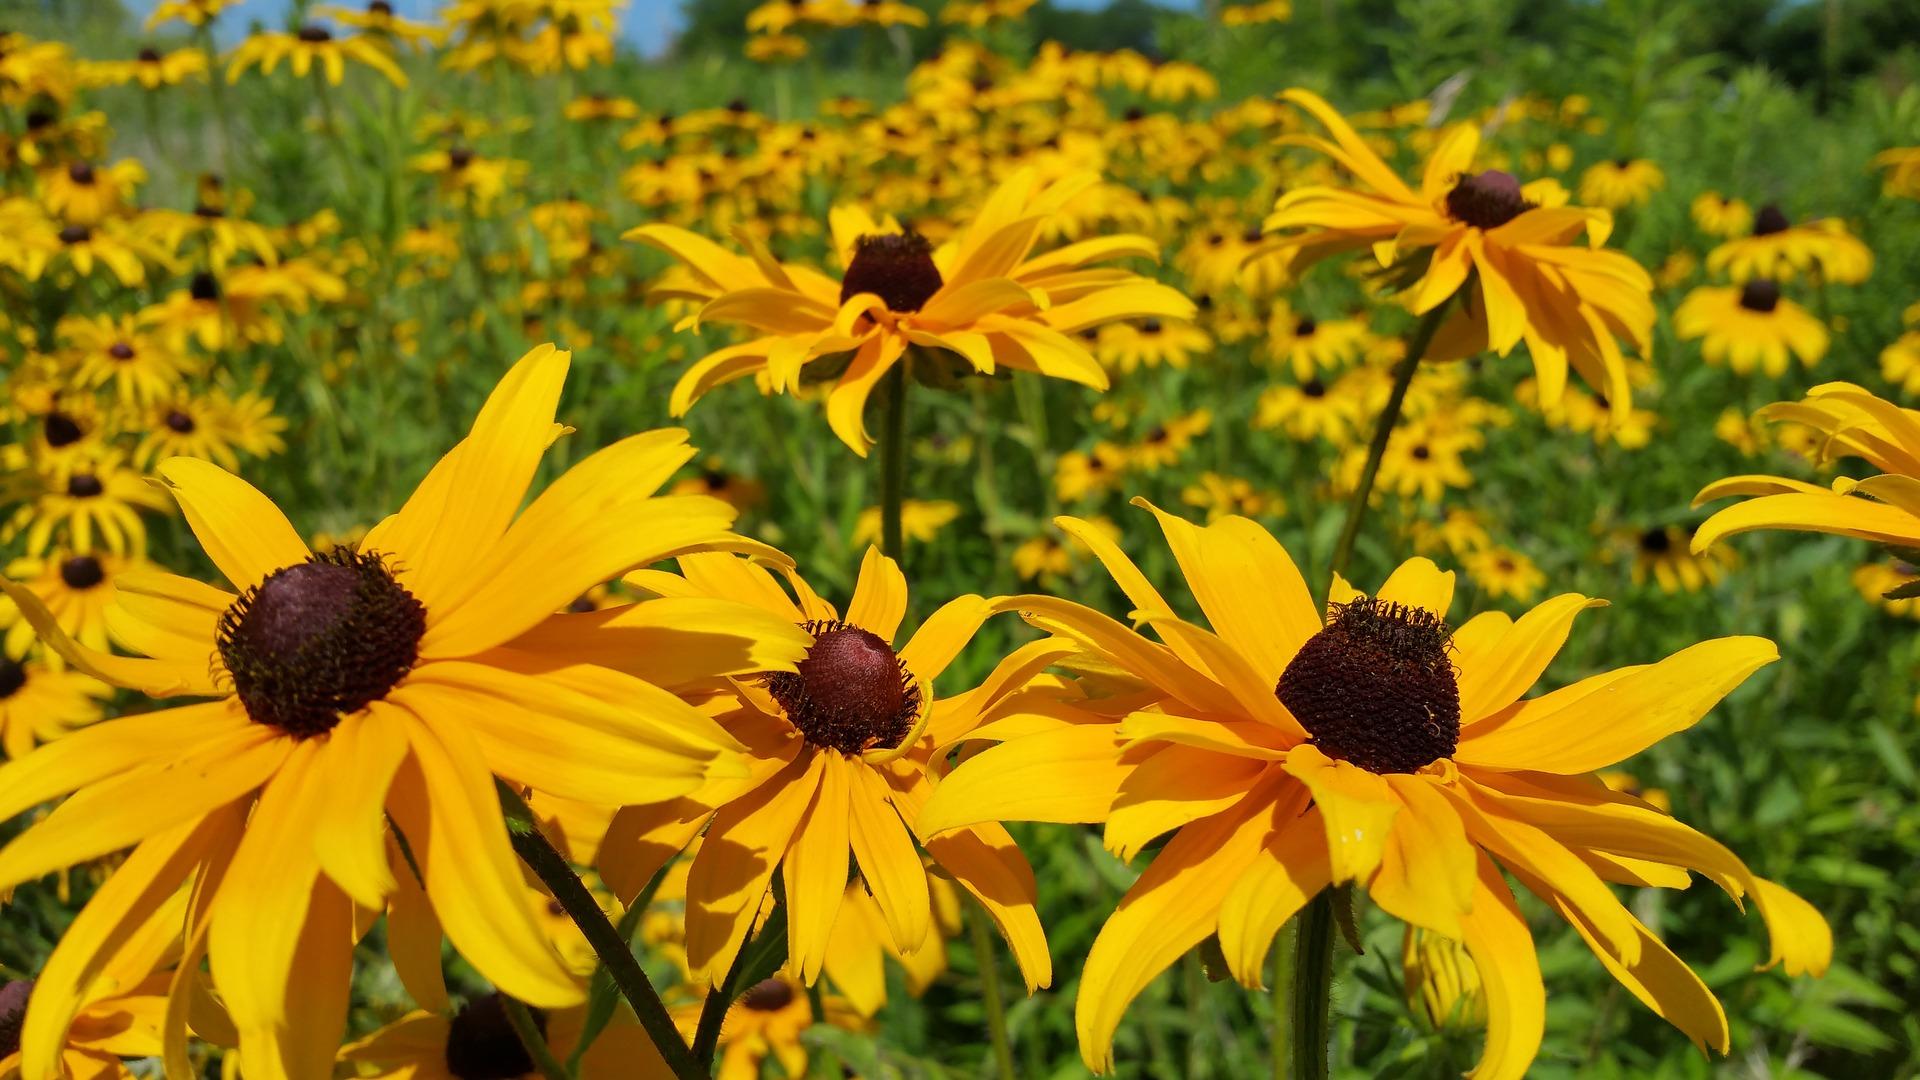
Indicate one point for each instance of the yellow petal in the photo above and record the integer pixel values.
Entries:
(242, 531)
(888, 861)
(1497, 939)
(815, 869)
(879, 596)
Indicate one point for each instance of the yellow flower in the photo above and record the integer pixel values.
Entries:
(982, 296)
(1662, 553)
(1750, 328)
(1525, 277)
(1778, 249)
(379, 21)
(920, 520)
(766, 1025)
(1267, 11)
(1876, 579)
(80, 193)
(40, 703)
(94, 500)
(770, 48)
(191, 12)
(478, 1039)
(1900, 363)
(1621, 183)
(1221, 496)
(1502, 571)
(1168, 441)
(76, 588)
(1717, 215)
(1126, 348)
(842, 754)
(1082, 474)
(861, 944)
(1903, 171)
(1289, 749)
(1442, 984)
(116, 350)
(1313, 348)
(311, 45)
(275, 792)
(1313, 410)
(1460, 533)
(1852, 423)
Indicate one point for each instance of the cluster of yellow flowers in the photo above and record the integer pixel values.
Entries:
(383, 730)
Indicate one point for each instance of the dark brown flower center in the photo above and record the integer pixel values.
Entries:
(851, 693)
(1422, 452)
(149, 55)
(482, 1045)
(1150, 326)
(13, 1013)
(1760, 295)
(896, 267)
(320, 639)
(1305, 327)
(459, 157)
(204, 287)
(1376, 687)
(85, 486)
(120, 350)
(1771, 219)
(13, 676)
(61, 429)
(314, 35)
(82, 572)
(1656, 541)
(80, 172)
(379, 7)
(75, 234)
(180, 422)
(1486, 200)
(770, 995)
(1314, 388)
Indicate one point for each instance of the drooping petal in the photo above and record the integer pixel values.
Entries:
(1497, 939)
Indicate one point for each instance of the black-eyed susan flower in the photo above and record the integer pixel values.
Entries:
(1079, 475)
(983, 297)
(1527, 279)
(1661, 554)
(1750, 327)
(310, 46)
(1889, 585)
(467, 178)
(1266, 11)
(76, 589)
(94, 500)
(1313, 348)
(352, 687)
(861, 945)
(1502, 571)
(476, 1039)
(920, 520)
(1290, 748)
(1902, 165)
(842, 753)
(1313, 410)
(40, 703)
(82, 193)
(1779, 249)
(1129, 347)
(1850, 422)
(378, 20)
(191, 12)
(1621, 183)
(1220, 496)
(116, 351)
(1047, 558)
(1166, 443)
(1717, 215)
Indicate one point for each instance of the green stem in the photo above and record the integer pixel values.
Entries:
(1382, 431)
(984, 957)
(531, 1038)
(893, 458)
(217, 92)
(756, 961)
(1284, 958)
(551, 867)
(1312, 989)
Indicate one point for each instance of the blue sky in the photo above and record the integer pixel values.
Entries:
(648, 24)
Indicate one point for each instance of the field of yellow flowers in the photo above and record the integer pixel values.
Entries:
(919, 539)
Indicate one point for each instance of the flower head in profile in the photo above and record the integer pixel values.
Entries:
(1291, 748)
(983, 296)
(1779, 249)
(1517, 265)
(1853, 423)
(842, 751)
(345, 689)
(313, 46)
